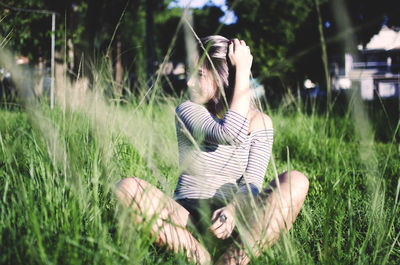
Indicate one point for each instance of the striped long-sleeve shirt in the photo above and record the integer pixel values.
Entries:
(218, 157)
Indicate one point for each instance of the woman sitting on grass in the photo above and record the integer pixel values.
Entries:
(223, 155)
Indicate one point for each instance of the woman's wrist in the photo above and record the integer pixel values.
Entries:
(242, 84)
(231, 207)
(242, 80)
(243, 69)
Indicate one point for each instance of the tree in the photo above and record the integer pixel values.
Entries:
(269, 29)
(27, 33)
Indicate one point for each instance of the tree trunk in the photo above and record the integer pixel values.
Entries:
(70, 47)
(119, 72)
(150, 41)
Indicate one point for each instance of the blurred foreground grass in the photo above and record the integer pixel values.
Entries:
(58, 170)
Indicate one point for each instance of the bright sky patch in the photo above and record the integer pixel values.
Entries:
(228, 18)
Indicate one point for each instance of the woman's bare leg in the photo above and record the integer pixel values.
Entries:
(279, 209)
(169, 219)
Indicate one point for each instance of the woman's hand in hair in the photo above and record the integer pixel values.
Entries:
(223, 222)
(240, 55)
(241, 58)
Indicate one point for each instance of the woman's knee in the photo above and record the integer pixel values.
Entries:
(295, 178)
(298, 182)
(130, 183)
(128, 188)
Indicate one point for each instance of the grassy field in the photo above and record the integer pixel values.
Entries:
(58, 170)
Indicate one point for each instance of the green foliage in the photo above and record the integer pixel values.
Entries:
(25, 30)
(270, 30)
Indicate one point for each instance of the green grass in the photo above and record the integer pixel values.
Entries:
(58, 170)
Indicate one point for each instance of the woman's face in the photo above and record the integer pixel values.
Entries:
(202, 86)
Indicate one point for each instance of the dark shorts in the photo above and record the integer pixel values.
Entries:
(201, 211)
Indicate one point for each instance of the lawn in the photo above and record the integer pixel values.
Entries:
(58, 170)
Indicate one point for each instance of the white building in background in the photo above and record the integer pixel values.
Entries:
(376, 68)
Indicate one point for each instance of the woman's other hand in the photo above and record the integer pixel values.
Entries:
(240, 55)
(223, 222)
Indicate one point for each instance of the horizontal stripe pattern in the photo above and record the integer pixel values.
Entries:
(217, 156)
(259, 155)
(203, 125)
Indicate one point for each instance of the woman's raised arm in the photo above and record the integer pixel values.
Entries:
(241, 58)
(195, 120)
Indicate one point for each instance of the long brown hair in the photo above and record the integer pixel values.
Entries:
(215, 59)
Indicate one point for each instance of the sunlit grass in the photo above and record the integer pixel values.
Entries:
(58, 170)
